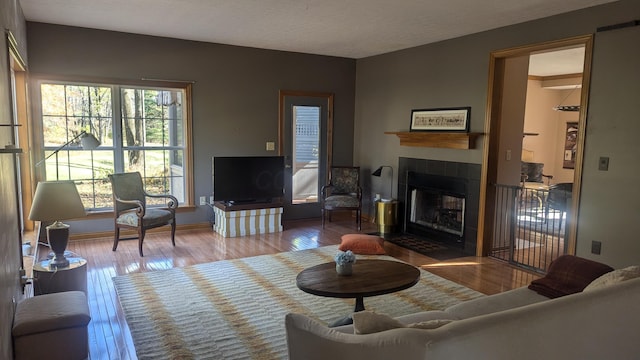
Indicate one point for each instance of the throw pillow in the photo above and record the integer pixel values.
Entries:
(614, 277)
(362, 244)
(567, 275)
(368, 322)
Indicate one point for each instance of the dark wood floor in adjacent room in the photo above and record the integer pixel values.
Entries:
(108, 331)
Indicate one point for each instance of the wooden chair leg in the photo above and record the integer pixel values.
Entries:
(173, 232)
(323, 214)
(359, 219)
(116, 238)
(141, 232)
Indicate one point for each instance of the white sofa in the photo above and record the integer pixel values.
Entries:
(519, 324)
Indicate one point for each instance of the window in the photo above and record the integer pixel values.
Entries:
(140, 129)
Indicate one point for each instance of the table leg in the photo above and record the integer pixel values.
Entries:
(348, 320)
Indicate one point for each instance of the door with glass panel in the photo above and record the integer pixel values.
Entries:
(305, 142)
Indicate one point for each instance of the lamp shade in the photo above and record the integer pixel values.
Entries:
(89, 142)
(56, 200)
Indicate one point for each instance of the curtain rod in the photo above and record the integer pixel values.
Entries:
(169, 80)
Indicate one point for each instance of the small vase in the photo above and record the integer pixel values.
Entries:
(344, 269)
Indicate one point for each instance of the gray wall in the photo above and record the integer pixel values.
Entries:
(235, 95)
(11, 18)
(455, 73)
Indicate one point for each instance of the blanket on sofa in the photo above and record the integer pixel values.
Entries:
(568, 275)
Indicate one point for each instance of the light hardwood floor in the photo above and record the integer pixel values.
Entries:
(109, 334)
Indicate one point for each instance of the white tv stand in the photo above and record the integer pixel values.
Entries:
(247, 219)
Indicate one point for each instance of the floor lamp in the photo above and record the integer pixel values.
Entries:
(59, 200)
(55, 201)
(87, 141)
(378, 173)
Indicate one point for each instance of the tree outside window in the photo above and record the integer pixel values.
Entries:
(145, 133)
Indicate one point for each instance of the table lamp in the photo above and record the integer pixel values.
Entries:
(55, 201)
(378, 173)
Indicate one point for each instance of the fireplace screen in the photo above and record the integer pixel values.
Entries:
(437, 211)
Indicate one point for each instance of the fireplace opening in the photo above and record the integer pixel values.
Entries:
(436, 207)
(437, 211)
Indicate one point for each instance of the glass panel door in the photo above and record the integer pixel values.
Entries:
(305, 128)
(306, 149)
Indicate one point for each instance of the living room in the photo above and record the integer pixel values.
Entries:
(236, 88)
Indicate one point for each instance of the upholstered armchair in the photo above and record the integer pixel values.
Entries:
(342, 193)
(131, 211)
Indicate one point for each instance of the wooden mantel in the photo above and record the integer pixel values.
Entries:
(449, 140)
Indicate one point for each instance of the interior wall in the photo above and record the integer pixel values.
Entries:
(11, 18)
(609, 207)
(235, 90)
(512, 116)
(455, 73)
(550, 125)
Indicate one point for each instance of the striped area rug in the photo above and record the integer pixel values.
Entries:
(234, 309)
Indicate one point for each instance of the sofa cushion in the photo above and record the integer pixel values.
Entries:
(412, 318)
(368, 322)
(568, 274)
(362, 244)
(614, 277)
(494, 303)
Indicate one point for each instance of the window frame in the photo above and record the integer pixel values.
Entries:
(116, 85)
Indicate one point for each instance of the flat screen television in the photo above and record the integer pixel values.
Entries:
(248, 179)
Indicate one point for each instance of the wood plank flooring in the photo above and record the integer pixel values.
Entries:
(109, 334)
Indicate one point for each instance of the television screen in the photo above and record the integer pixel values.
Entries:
(246, 179)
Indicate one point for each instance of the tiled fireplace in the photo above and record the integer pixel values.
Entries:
(439, 201)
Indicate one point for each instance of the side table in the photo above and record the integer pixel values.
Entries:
(386, 214)
(48, 279)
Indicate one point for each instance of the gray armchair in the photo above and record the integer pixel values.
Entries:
(131, 212)
(343, 192)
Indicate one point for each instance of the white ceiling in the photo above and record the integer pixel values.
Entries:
(345, 28)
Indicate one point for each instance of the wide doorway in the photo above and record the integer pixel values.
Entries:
(537, 120)
(305, 142)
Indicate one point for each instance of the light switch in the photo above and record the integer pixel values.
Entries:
(508, 155)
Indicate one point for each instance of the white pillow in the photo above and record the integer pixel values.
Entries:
(614, 277)
(367, 322)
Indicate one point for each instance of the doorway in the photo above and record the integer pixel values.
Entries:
(522, 130)
(305, 140)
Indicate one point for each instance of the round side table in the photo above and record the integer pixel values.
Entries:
(47, 279)
(386, 214)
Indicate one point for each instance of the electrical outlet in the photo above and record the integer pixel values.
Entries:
(203, 200)
(211, 199)
(596, 247)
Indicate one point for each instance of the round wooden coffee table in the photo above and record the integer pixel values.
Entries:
(369, 278)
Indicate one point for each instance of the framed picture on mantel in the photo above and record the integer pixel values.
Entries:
(442, 119)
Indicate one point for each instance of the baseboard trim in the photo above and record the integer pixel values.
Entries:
(123, 233)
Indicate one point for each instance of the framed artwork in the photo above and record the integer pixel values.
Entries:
(443, 119)
(570, 143)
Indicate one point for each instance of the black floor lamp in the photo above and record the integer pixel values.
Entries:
(87, 142)
(378, 173)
